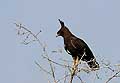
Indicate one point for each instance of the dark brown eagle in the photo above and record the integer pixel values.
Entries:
(77, 47)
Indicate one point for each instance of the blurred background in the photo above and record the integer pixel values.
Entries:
(95, 21)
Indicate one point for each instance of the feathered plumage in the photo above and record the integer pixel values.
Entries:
(77, 47)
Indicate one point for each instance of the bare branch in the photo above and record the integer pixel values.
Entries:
(42, 68)
(72, 71)
(115, 75)
(30, 32)
(80, 79)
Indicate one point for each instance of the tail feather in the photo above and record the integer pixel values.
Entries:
(93, 64)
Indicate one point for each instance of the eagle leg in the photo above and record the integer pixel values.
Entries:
(75, 62)
(75, 65)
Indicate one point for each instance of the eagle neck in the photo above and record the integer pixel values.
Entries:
(67, 34)
(68, 37)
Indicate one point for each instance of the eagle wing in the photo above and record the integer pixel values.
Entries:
(81, 47)
(77, 43)
(74, 46)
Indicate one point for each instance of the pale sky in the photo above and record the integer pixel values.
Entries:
(95, 21)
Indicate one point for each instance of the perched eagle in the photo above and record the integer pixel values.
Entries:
(77, 47)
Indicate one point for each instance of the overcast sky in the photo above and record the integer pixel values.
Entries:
(95, 21)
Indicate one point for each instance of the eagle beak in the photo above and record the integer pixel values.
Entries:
(57, 35)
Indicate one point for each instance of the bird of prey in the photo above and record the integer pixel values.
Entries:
(77, 48)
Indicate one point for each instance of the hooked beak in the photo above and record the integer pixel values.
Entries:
(57, 35)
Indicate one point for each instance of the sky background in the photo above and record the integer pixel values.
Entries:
(95, 21)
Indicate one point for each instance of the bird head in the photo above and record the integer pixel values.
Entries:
(62, 29)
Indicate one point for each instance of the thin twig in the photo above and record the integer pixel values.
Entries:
(35, 36)
(56, 62)
(112, 76)
(63, 78)
(42, 68)
(80, 79)
(53, 71)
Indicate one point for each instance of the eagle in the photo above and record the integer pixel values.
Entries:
(77, 48)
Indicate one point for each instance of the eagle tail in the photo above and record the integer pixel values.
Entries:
(93, 64)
